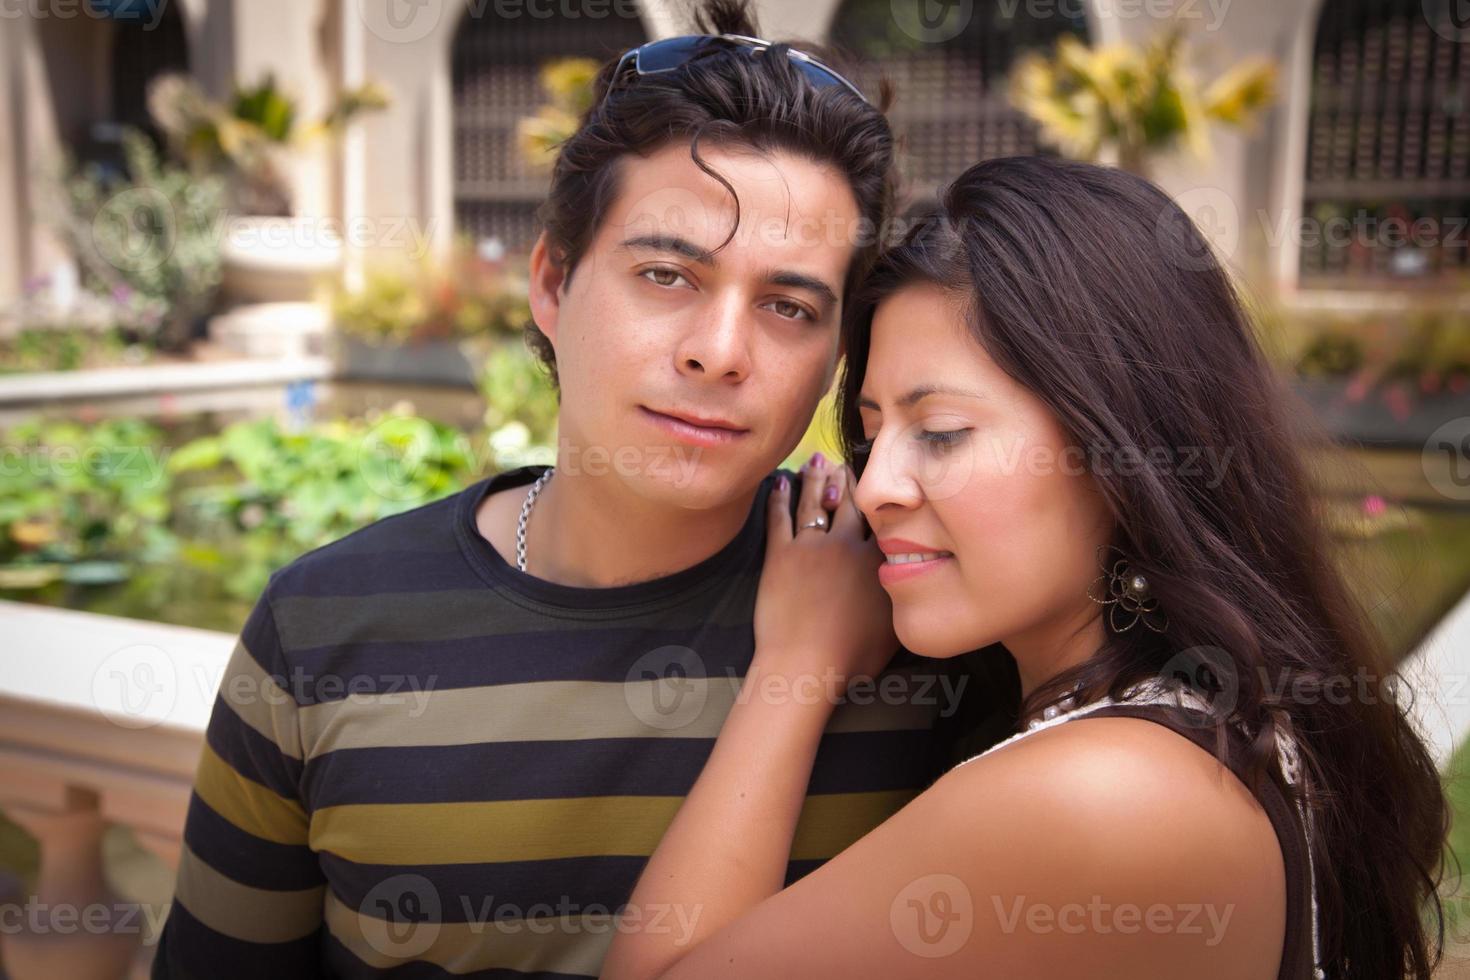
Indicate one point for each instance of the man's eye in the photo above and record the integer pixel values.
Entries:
(662, 277)
(790, 310)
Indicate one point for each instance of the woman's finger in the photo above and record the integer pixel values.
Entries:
(832, 493)
(809, 507)
(778, 512)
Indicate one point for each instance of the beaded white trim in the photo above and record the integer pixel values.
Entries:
(1155, 692)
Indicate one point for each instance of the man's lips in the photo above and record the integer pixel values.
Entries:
(704, 422)
(706, 432)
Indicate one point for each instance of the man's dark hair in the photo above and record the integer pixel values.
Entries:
(726, 97)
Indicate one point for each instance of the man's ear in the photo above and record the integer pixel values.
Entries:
(545, 292)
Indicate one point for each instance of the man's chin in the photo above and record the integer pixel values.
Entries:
(696, 484)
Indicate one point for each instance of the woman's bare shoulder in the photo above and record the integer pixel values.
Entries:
(1100, 847)
(1144, 808)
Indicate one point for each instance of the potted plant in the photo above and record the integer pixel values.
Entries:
(148, 240)
(430, 320)
(270, 253)
(1385, 378)
(1133, 102)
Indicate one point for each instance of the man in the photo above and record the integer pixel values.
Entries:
(452, 738)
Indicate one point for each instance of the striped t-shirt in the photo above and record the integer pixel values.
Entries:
(421, 755)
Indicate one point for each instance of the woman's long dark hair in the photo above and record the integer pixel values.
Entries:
(1091, 288)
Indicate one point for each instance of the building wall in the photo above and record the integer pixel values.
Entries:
(394, 176)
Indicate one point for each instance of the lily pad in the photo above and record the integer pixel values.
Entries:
(96, 572)
(28, 576)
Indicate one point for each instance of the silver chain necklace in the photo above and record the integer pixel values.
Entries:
(526, 514)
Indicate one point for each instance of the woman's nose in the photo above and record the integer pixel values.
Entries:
(886, 481)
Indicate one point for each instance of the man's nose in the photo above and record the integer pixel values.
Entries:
(718, 345)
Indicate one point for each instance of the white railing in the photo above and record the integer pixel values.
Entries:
(102, 720)
(101, 723)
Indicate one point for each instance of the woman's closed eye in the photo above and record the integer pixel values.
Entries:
(944, 438)
(938, 439)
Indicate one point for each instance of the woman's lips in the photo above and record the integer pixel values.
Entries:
(699, 435)
(890, 573)
(905, 559)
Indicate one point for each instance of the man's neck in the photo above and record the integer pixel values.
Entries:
(590, 532)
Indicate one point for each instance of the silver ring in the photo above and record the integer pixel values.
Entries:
(819, 522)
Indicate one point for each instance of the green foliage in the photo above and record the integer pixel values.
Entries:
(267, 108)
(73, 495)
(153, 238)
(272, 494)
(568, 85)
(517, 390)
(1331, 353)
(1426, 341)
(63, 348)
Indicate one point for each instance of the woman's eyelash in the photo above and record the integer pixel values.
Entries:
(947, 437)
(940, 440)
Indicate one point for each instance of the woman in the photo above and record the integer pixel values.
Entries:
(1069, 444)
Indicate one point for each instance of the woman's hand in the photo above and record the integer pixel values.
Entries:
(820, 607)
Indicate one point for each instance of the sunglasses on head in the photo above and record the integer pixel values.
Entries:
(671, 52)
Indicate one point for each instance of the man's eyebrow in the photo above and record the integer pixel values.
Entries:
(920, 393)
(670, 243)
(800, 280)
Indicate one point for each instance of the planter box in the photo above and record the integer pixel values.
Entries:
(1370, 422)
(433, 362)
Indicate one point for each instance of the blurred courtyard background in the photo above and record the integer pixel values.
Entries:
(262, 281)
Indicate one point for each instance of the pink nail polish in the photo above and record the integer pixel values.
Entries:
(818, 460)
(783, 483)
(830, 496)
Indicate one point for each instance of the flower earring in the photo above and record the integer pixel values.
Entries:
(1122, 589)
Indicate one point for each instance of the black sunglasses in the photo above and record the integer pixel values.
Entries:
(671, 52)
